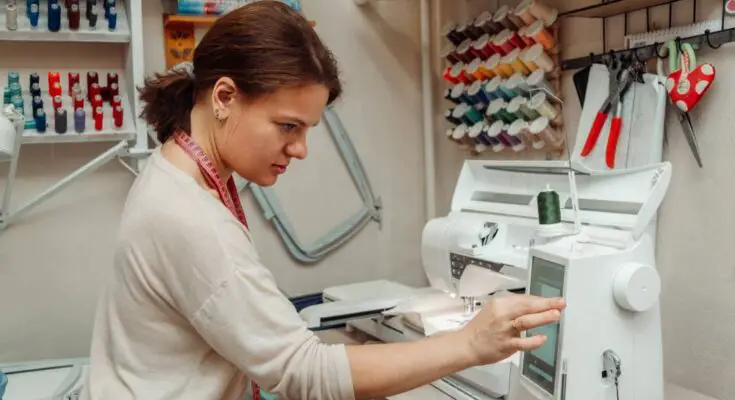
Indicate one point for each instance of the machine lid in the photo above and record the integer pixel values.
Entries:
(626, 200)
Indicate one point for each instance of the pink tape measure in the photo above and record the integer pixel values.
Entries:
(228, 195)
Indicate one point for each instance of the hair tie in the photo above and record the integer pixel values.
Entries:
(186, 66)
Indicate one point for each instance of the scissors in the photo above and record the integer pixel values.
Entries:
(671, 47)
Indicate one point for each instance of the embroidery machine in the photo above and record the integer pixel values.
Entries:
(600, 258)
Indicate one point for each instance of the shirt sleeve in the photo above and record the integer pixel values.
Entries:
(248, 321)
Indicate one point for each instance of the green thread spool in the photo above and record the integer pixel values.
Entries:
(15, 89)
(508, 116)
(473, 114)
(549, 209)
(6, 96)
(13, 77)
(17, 101)
(508, 93)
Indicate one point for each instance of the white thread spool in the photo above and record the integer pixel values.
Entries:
(11, 17)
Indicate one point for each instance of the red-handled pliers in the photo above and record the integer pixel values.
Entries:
(619, 83)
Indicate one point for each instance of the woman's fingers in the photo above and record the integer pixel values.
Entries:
(526, 304)
(528, 343)
(530, 321)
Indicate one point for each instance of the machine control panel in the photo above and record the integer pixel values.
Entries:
(459, 262)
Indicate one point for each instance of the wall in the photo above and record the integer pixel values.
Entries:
(696, 228)
(47, 288)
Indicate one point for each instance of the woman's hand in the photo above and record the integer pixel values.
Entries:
(495, 333)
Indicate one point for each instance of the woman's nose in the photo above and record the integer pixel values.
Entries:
(297, 149)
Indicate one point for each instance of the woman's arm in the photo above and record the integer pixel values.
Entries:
(388, 369)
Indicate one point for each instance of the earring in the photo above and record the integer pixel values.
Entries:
(218, 114)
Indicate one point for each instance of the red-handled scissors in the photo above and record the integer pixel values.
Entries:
(619, 84)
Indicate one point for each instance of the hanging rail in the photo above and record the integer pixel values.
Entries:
(712, 39)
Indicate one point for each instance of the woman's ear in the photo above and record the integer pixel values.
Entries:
(223, 96)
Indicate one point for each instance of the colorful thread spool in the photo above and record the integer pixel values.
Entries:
(463, 51)
(536, 55)
(520, 128)
(449, 31)
(516, 131)
(474, 32)
(493, 64)
(492, 89)
(537, 81)
(40, 118)
(60, 120)
(541, 35)
(477, 96)
(15, 89)
(481, 48)
(450, 118)
(523, 11)
(517, 142)
(458, 94)
(503, 16)
(493, 133)
(541, 105)
(474, 72)
(517, 82)
(541, 127)
(459, 133)
(523, 34)
(543, 12)
(509, 93)
(448, 53)
(516, 40)
(497, 111)
(529, 64)
(474, 134)
(514, 107)
(6, 96)
(485, 21)
(461, 30)
(80, 119)
(458, 74)
(514, 61)
(447, 75)
(502, 43)
(504, 68)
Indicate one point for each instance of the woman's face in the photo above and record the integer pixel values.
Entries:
(258, 139)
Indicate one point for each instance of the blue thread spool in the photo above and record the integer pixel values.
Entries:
(60, 121)
(40, 118)
(34, 12)
(458, 94)
(487, 139)
(36, 104)
(475, 134)
(477, 96)
(493, 133)
(112, 19)
(33, 78)
(515, 132)
(492, 89)
(54, 17)
(36, 89)
(80, 118)
(108, 4)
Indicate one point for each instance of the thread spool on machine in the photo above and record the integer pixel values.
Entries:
(502, 68)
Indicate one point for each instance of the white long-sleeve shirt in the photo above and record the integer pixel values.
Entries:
(191, 313)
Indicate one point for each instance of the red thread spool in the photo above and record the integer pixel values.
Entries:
(97, 101)
(114, 90)
(98, 118)
(112, 78)
(448, 75)
(57, 101)
(53, 77)
(73, 79)
(463, 51)
(516, 41)
(459, 71)
(116, 101)
(481, 48)
(502, 43)
(78, 101)
(55, 89)
(74, 16)
(117, 116)
(94, 90)
(92, 77)
(523, 33)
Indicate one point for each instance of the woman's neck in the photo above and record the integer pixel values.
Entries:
(202, 133)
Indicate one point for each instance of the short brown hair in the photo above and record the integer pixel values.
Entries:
(263, 47)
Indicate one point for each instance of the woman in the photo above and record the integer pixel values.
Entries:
(191, 313)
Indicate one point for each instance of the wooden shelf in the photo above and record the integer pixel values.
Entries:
(613, 7)
(197, 20)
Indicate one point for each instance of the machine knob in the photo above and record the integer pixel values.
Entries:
(637, 287)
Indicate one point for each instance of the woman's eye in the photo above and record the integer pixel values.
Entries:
(288, 127)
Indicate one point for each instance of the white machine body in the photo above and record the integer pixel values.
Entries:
(610, 333)
(483, 247)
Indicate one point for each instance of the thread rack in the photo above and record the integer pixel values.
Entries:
(502, 82)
